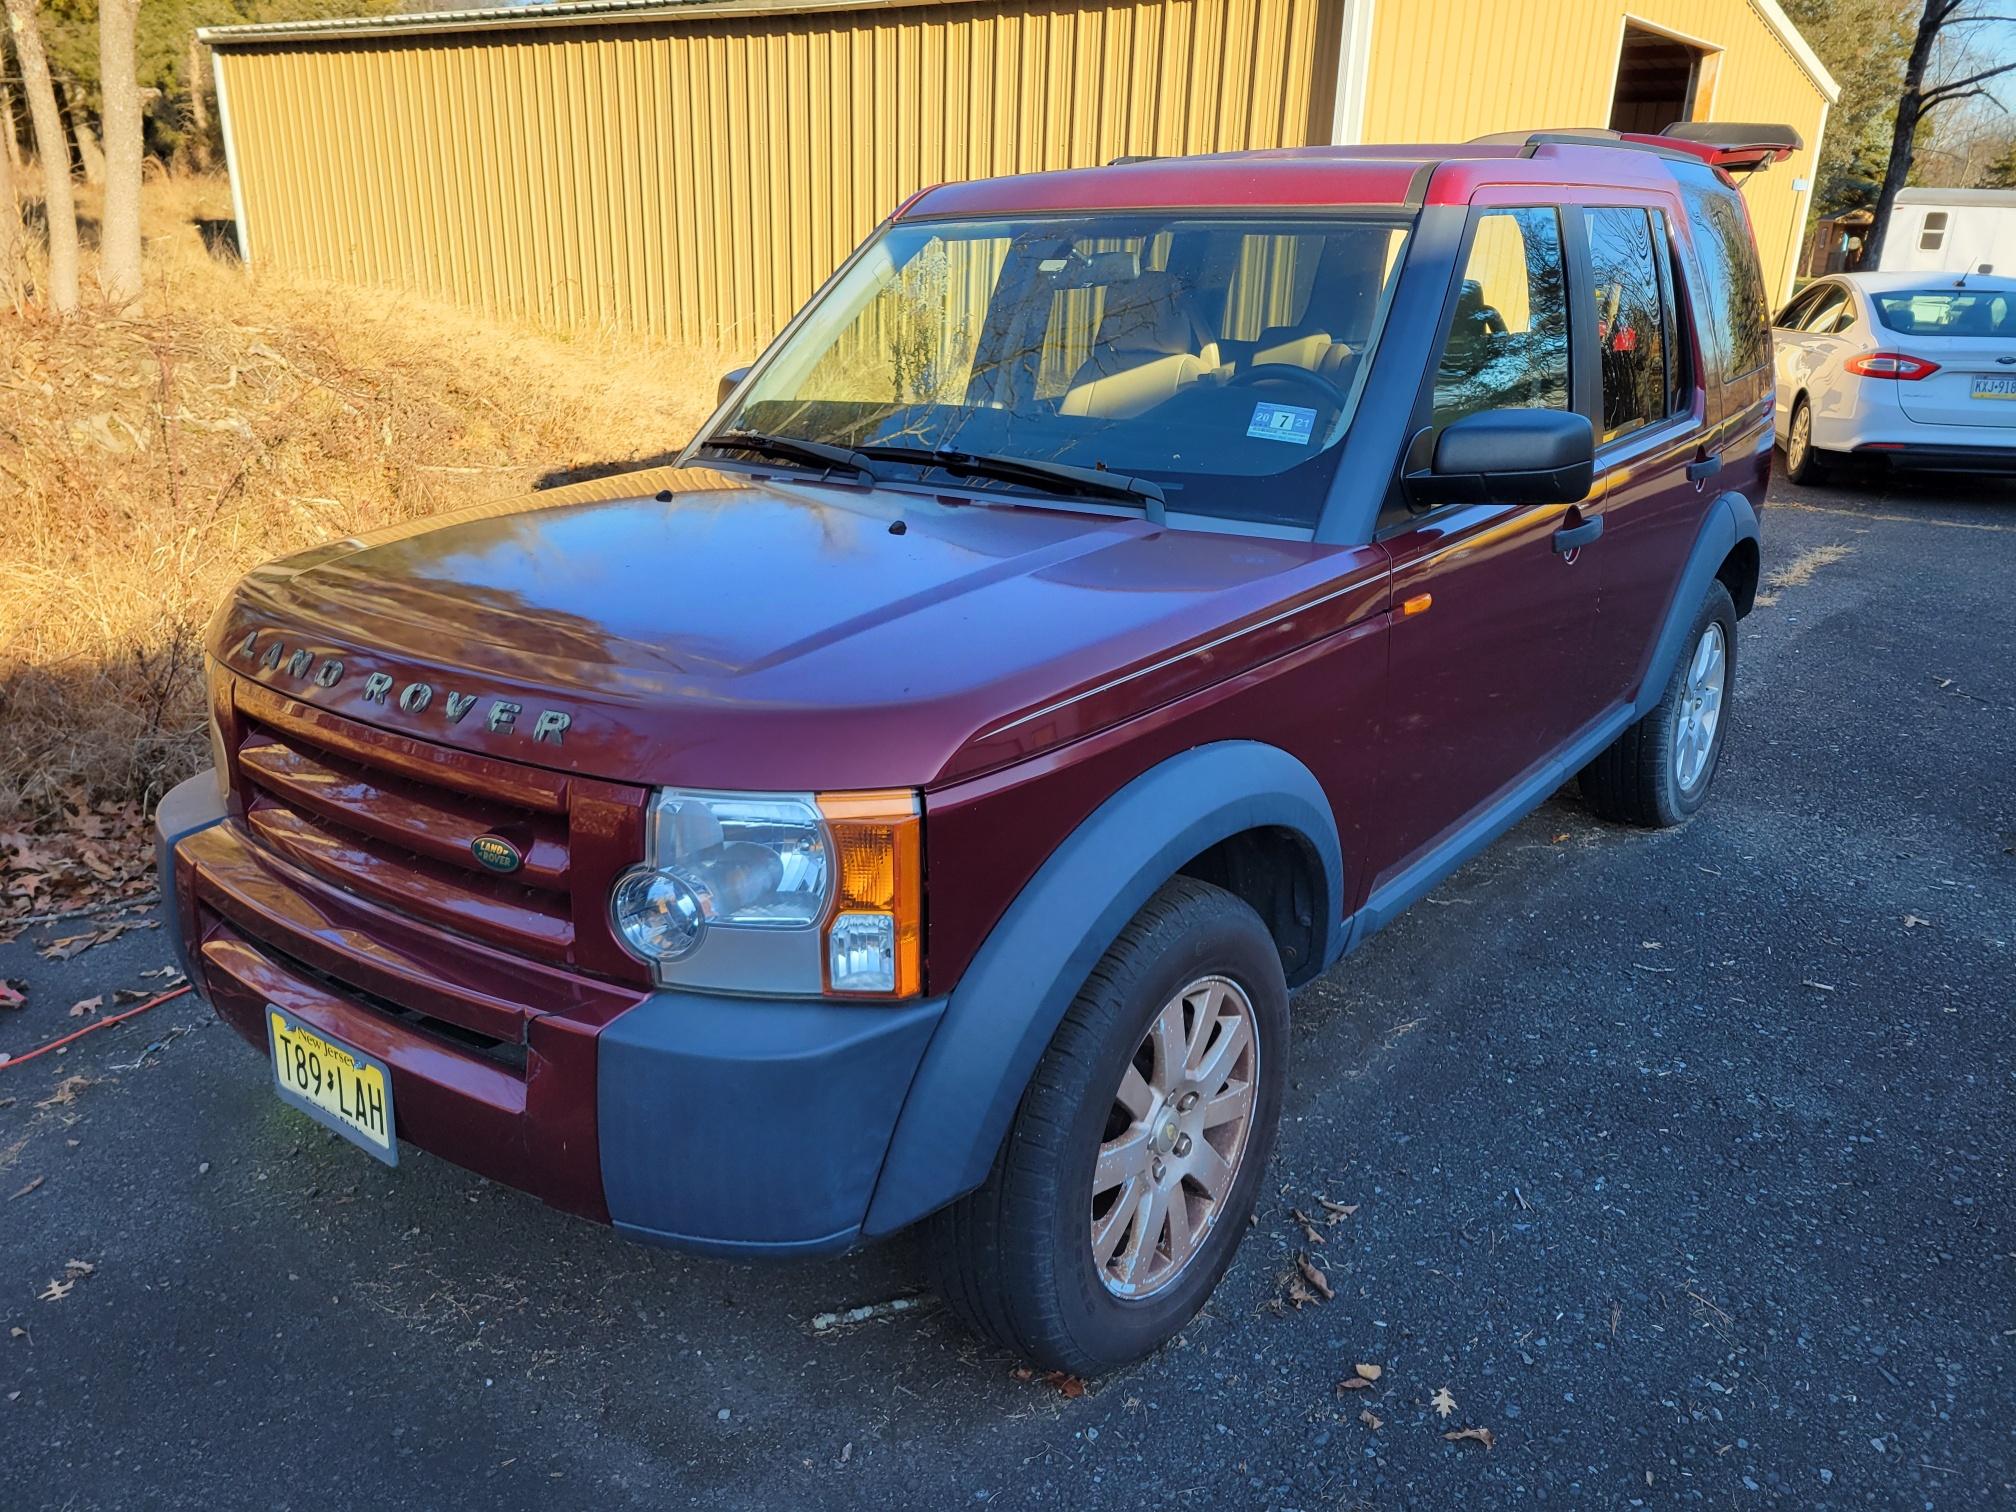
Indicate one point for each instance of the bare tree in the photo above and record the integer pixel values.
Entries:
(10, 211)
(119, 230)
(8, 125)
(90, 157)
(51, 150)
(1941, 19)
(199, 109)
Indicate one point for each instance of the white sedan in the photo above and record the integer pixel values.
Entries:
(1899, 369)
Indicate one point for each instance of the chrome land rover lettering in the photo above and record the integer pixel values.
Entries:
(272, 656)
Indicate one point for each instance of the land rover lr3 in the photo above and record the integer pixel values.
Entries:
(1116, 595)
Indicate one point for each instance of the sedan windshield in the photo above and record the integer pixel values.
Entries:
(1205, 364)
(1948, 311)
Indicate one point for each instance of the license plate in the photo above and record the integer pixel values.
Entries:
(333, 1084)
(1995, 388)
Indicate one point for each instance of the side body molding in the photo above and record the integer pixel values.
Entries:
(1001, 1016)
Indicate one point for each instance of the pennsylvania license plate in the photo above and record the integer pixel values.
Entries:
(1995, 388)
(333, 1084)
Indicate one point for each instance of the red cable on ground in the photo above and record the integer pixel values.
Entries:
(95, 1025)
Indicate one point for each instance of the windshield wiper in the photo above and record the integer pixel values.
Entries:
(1051, 475)
(791, 449)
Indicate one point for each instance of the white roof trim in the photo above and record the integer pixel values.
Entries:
(1775, 18)
(513, 18)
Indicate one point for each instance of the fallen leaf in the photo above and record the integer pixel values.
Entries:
(29, 1188)
(164, 971)
(1351, 1383)
(1443, 1403)
(1067, 1385)
(1371, 1419)
(66, 1091)
(78, 1267)
(1021, 1373)
(1560, 837)
(68, 946)
(130, 995)
(11, 996)
(55, 1291)
(1473, 1435)
(1369, 1372)
(1308, 1229)
(87, 1005)
(1338, 1211)
(1313, 1274)
(1912, 921)
(17, 1332)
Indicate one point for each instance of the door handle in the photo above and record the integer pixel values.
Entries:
(1704, 467)
(1575, 537)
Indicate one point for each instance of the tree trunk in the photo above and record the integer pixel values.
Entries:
(53, 152)
(8, 125)
(1903, 135)
(119, 229)
(10, 214)
(199, 108)
(89, 157)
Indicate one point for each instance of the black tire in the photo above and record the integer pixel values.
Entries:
(1636, 780)
(1805, 463)
(1014, 1259)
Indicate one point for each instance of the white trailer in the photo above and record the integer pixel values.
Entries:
(1952, 231)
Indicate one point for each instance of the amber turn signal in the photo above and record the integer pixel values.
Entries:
(875, 926)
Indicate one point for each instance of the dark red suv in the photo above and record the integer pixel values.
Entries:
(1115, 596)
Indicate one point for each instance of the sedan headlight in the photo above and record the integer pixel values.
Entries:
(792, 894)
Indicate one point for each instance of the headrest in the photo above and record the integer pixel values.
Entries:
(1149, 314)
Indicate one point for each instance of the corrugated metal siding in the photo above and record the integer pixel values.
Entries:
(697, 179)
(1447, 70)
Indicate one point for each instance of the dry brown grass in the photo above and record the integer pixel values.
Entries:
(148, 458)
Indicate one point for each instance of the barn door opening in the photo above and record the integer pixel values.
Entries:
(1659, 81)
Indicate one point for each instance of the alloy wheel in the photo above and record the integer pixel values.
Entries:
(1175, 1137)
(1700, 706)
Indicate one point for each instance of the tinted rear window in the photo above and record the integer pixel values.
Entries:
(1741, 320)
(1948, 312)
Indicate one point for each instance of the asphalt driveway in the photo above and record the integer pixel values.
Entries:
(1680, 1163)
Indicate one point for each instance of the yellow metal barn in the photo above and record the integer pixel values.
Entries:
(695, 168)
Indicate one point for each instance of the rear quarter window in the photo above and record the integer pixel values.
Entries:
(1738, 326)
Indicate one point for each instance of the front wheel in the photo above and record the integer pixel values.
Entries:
(1658, 771)
(1125, 1182)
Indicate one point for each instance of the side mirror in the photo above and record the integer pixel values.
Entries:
(730, 381)
(1504, 456)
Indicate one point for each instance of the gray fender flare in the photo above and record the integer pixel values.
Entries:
(1001, 1016)
(1731, 518)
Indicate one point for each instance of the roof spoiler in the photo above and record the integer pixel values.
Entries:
(1739, 147)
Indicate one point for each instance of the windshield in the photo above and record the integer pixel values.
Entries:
(1948, 312)
(1217, 360)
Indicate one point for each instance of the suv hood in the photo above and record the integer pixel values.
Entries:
(714, 629)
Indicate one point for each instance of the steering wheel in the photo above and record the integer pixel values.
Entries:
(1262, 371)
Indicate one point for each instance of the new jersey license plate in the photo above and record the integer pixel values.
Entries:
(333, 1084)
(1995, 387)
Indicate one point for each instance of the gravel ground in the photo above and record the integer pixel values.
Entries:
(1680, 1163)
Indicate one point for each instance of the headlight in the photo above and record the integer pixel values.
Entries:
(792, 894)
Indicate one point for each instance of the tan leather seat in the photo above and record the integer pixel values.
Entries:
(1310, 350)
(1150, 346)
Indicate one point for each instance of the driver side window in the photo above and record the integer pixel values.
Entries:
(1507, 343)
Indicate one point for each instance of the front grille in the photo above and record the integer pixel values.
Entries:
(390, 819)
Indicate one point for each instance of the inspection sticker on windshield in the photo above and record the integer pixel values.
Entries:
(1282, 422)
